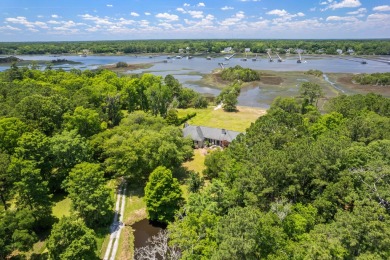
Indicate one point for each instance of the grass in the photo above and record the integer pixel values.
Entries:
(236, 121)
(62, 206)
(197, 162)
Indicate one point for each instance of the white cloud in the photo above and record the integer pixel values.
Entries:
(54, 16)
(201, 4)
(23, 21)
(96, 19)
(166, 16)
(341, 18)
(147, 13)
(358, 11)
(384, 19)
(278, 12)
(9, 27)
(53, 22)
(134, 14)
(234, 19)
(186, 5)
(227, 8)
(109, 5)
(344, 4)
(181, 10)
(284, 15)
(40, 16)
(382, 8)
(196, 14)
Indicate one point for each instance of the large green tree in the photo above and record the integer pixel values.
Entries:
(91, 199)
(163, 195)
(71, 239)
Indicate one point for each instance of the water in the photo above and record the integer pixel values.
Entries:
(189, 71)
(143, 230)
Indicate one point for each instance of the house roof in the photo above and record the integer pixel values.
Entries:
(199, 133)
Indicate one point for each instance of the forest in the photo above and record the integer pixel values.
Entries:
(74, 133)
(299, 184)
(359, 47)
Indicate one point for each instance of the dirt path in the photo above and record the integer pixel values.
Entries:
(116, 226)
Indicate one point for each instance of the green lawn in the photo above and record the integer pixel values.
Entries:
(236, 121)
(61, 207)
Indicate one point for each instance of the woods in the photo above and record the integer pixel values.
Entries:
(300, 183)
(360, 47)
(72, 134)
(297, 185)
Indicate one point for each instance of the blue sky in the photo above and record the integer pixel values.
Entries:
(70, 20)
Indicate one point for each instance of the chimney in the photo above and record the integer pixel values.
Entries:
(223, 131)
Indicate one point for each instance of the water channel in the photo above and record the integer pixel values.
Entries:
(143, 230)
(190, 71)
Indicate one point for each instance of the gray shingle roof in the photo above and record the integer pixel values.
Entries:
(199, 133)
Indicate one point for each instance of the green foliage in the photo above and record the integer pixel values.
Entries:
(240, 73)
(172, 118)
(11, 129)
(121, 64)
(140, 144)
(16, 231)
(311, 92)
(66, 149)
(316, 73)
(195, 182)
(86, 121)
(90, 198)
(379, 79)
(31, 190)
(228, 97)
(297, 185)
(163, 196)
(71, 239)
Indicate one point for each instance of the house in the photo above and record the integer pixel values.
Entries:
(247, 49)
(228, 49)
(339, 51)
(202, 135)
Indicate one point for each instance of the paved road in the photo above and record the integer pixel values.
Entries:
(117, 223)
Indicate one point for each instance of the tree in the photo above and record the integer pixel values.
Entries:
(85, 120)
(71, 239)
(11, 129)
(16, 231)
(32, 191)
(311, 92)
(163, 195)
(172, 118)
(90, 198)
(6, 179)
(228, 97)
(66, 149)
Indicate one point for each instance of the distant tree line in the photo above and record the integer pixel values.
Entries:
(360, 47)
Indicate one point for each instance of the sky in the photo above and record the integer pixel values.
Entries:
(78, 20)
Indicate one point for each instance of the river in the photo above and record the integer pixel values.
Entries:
(189, 71)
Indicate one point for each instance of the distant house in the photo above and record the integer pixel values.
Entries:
(228, 49)
(213, 136)
(351, 51)
(247, 49)
(339, 51)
